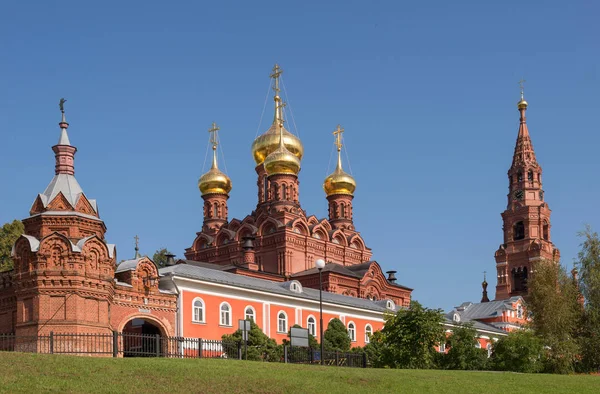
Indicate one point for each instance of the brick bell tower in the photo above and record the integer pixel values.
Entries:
(526, 219)
(64, 269)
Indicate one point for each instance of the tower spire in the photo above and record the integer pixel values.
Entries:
(524, 153)
(338, 143)
(278, 118)
(63, 151)
(214, 142)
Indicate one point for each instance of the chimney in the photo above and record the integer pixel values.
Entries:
(249, 258)
(391, 276)
(170, 260)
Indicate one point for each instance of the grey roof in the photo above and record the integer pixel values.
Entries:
(482, 310)
(127, 265)
(217, 276)
(477, 325)
(207, 265)
(356, 271)
(68, 186)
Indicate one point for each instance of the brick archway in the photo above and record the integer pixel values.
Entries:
(163, 326)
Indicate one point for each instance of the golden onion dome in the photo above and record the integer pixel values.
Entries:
(214, 182)
(282, 161)
(522, 103)
(339, 181)
(267, 143)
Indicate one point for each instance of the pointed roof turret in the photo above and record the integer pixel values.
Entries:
(484, 286)
(524, 154)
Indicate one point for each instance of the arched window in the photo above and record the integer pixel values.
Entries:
(266, 188)
(530, 176)
(352, 331)
(342, 210)
(311, 324)
(249, 313)
(225, 314)
(368, 333)
(216, 210)
(546, 231)
(281, 322)
(198, 310)
(284, 192)
(518, 231)
(519, 177)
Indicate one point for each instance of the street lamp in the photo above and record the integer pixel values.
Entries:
(320, 264)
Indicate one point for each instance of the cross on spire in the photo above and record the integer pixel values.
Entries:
(338, 137)
(137, 246)
(277, 71)
(521, 85)
(213, 135)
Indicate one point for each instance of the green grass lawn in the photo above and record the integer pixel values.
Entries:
(29, 373)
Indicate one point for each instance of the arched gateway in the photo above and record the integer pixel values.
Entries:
(143, 337)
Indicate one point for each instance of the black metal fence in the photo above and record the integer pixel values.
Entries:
(122, 344)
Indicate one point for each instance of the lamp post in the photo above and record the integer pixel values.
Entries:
(320, 265)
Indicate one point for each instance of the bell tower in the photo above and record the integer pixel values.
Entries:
(526, 220)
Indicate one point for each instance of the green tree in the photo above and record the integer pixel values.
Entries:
(336, 336)
(375, 350)
(463, 353)
(556, 314)
(260, 346)
(519, 351)
(160, 257)
(409, 337)
(312, 341)
(589, 284)
(8, 236)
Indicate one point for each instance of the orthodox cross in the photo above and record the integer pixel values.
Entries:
(484, 272)
(521, 82)
(277, 71)
(61, 105)
(213, 135)
(338, 137)
(137, 246)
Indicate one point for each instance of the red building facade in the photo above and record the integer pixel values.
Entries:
(66, 278)
(279, 240)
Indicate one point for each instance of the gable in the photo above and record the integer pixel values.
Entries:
(59, 203)
(84, 206)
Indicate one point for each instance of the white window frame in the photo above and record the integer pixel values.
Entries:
(352, 331)
(489, 349)
(201, 308)
(443, 347)
(368, 333)
(253, 313)
(314, 325)
(285, 322)
(225, 322)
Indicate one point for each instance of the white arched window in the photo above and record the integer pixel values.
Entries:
(249, 313)
(281, 322)
(311, 324)
(225, 314)
(198, 310)
(368, 333)
(352, 331)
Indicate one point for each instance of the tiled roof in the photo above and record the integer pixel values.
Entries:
(217, 276)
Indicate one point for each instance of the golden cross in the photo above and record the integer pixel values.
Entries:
(213, 135)
(278, 107)
(277, 71)
(338, 137)
(521, 82)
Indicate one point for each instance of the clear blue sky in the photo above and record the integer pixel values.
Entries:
(426, 91)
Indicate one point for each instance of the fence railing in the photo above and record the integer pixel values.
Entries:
(123, 344)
